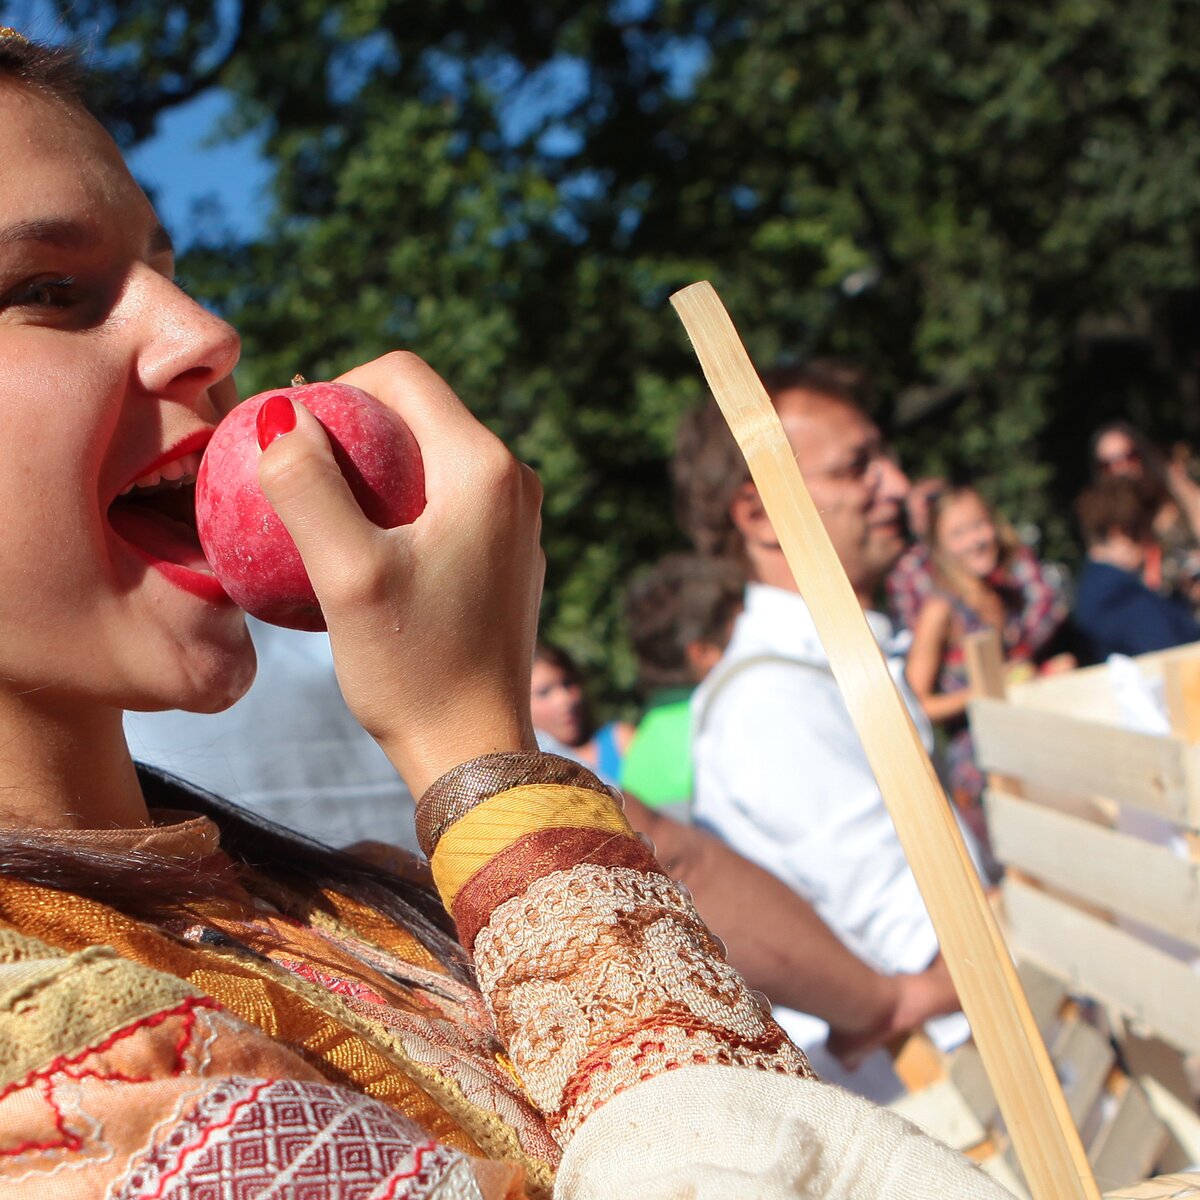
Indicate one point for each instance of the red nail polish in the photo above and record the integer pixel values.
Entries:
(275, 418)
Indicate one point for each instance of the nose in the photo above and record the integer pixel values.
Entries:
(893, 483)
(185, 349)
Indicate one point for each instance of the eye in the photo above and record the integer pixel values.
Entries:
(43, 293)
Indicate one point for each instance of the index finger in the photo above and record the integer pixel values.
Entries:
(454, 445)
(412, 389)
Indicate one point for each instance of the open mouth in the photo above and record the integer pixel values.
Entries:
(155, 515)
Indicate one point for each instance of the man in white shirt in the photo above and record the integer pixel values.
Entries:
(780, 773)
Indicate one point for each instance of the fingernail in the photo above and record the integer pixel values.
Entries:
(275, 418)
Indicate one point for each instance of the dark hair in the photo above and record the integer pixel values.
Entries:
(1154, 466)
(53, 70)
(1115, 505)
(148, 885)
(707, 469)
(683, 599)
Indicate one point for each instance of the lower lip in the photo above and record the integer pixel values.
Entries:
(187, 579)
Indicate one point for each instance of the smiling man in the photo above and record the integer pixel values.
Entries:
(780, 773)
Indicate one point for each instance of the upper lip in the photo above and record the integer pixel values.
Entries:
(193, 443)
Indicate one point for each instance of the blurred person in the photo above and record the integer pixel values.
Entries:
(1115, 612)
(561, 712)
(1043, 607)
(1172, 558)
(781, 775)
(971, 551)
(680, 617)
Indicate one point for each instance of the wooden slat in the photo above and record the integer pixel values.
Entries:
(1181, 690)
(1166, 1187)
(1035, 1112)
(1046, 994)
(1137, 879)
(1158, 992)
(969, 1075)
(1083, 1059)
(941, 1111)
(1057, 751)
(1130, 1142)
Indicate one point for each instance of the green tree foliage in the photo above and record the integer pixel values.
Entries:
(993, 205)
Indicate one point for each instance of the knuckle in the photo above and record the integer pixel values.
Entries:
(288, 471)
(400, 360)
(355, 583)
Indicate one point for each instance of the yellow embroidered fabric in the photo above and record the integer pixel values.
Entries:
(348, 1047)
(53, 1003)
(123, 1082)
(487, 830)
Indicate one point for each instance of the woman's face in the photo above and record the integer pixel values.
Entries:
(965, 532)
(556, 702)
(106, 377)
(1116, 455)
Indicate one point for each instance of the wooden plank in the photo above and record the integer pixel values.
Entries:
(1057, 751)
(1158, 992)
(969, 1075)
(1083, 1058)
(1130, 1142)
(1046, 994)
(1035, 1112)
(941, 1111)
(985, 677)
(1166, 1187)
(919, 1063)
(1180, 1119)
(1181, 690)
(1137, 879)
(997, 1167)
(1086, 692)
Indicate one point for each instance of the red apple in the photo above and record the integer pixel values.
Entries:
(251, 553)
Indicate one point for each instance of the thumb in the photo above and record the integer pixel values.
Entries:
(301, 479)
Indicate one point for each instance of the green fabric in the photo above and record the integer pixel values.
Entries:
(657, 768)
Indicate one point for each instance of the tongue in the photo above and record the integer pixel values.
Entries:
(158, 536)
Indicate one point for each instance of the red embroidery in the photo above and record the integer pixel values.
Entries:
(63, 1064)
(206, 1134)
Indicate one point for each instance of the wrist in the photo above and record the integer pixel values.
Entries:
(422, 759)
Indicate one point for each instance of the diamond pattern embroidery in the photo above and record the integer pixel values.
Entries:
(288, 1140)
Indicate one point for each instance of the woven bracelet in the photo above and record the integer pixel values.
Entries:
(467, 786)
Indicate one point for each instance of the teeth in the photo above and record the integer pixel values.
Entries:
(176, 474)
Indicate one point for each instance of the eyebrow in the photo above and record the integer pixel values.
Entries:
(71, 234)
(45, 229)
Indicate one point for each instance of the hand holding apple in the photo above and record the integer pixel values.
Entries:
(251, 553)
(432, 624)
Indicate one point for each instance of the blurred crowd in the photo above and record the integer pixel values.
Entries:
(744, 768)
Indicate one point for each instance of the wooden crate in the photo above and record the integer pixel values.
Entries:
(1093, 910)
(1121, 1122)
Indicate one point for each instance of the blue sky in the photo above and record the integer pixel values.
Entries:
(176, 164)
(180, 169)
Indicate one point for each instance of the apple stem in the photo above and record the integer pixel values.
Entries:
(298, 381)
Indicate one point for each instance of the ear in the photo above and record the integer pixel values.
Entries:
(701, 658)
(750, 517)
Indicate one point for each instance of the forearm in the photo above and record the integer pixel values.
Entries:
(945, 706)
(773, 935)
(597, 971)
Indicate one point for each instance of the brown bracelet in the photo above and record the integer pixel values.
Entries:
(469, 785)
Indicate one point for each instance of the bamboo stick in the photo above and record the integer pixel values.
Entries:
(1018, 1065)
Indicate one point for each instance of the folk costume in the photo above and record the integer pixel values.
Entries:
(284, 1041)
